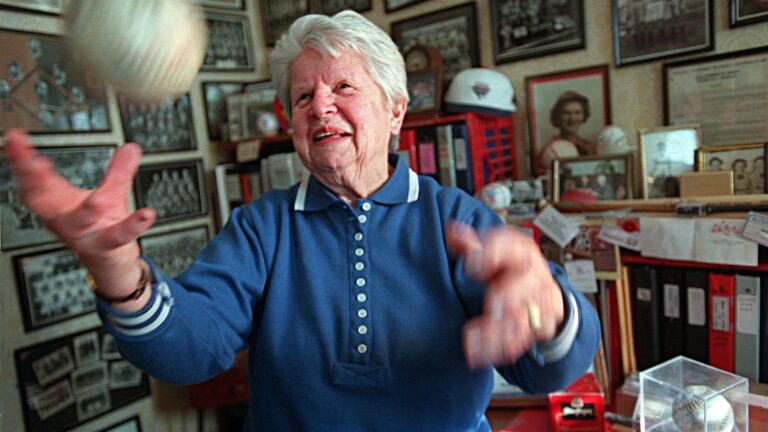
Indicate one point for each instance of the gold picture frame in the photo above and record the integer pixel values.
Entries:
(747, 161)
(664, 154)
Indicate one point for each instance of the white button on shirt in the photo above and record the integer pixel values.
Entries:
(358, 236)
(362, 219)
(359, 252)
(362, 329)
(362, 313)
(359, 266)
(361, 297)
(360, 282)
(366, 206)
(362, 348)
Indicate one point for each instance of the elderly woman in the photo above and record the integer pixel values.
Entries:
(369, 298)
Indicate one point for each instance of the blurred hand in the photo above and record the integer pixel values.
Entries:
(95, 224)
(523, 303)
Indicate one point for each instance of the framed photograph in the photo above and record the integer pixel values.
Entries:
(665, 153)
(593, 178)
(58, 395)
(132, 424)
(566, 112)
(230, 45)
(215, 94)
(743, 12)
(52, 288)
(43, 89)
(520, 33)
(393, 5)
(588, 245)
(82, 166)
(158, 126)
(332, 7)
(452, 32)
(223, 4)
(724, 94)
(252, 114)
(175, 190)
(54, 7)
(424, 67)
(647, 30)
(747, 162)
(278, 15)
(172, 252)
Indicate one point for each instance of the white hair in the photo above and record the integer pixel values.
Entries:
(347, 30)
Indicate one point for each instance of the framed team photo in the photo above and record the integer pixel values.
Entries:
(332, 7)
(230, 44)
(158, 126)
(278, 15)
(566, 112)
(393, 5)
(172, 252)
(745, 12)
(82, 166)
(175, 190)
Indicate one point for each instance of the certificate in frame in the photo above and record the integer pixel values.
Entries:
(725, 94)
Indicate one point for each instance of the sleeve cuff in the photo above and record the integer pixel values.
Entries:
(556, 349)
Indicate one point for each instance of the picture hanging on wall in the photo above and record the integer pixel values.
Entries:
(215, 97)
(52, 288)
(82, 166)
(175, 190)
(224, 4)
(650, 30)
(520, 33)
(665, 153)
(278, 15)
(230, 45)
(452, 32)
(43, 90)
(54, 7)
(332, 7)
(566, 112)
(67, 381)
(173, 252)
(158, 126)
(744, 12)
(393, 5)
(133, 424)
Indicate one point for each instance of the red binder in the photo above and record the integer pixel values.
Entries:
(721, 313)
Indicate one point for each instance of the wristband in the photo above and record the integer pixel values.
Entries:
(142, 286)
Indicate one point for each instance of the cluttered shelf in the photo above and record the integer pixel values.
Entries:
(703, 205)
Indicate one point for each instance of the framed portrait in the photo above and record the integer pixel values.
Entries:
(650, 30)
(393, 5)
(332, 7)
(172, 252)
(44, 90)
(566, 112)
(747, 162)
(278, 15)
(724, 94)
(230, 45)
(452, 32)
(744, 12)
(665, 153)
(520, 33)
(424, 67)
(54, 7)
(52, 288)
(251, 114)
(215, 98)
(82, 166)
(175, 190)
(158, 126)
(132, 424)
(593, 178)
(58, 394)
(223, 4)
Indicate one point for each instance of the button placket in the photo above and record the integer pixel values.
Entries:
(361, 335)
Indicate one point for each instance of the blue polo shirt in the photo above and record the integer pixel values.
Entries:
(352, 315)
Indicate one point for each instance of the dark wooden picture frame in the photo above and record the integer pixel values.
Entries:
(278, 15)
(172, 252)
(394, 5)
(649, 30)
(452, 31)
(518, 35)
(223, 4)
(175, 190)
(84, 166)
(425, 79)
(550, 94)
(49, 372)
(332, 7)
(44, 90)
(747, 161)
(215, 100)
(230, 44)
(745, 12)
(606, 177)
(158, 126)
(52, 288)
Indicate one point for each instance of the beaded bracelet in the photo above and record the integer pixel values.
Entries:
(143, 282)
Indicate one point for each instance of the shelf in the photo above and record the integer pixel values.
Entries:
(741, 203)
(627, 258)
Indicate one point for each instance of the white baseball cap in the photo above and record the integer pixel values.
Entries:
(481, 90)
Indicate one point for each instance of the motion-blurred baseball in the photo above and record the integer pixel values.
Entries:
(149, 48)
(688, 411)
(557, 149)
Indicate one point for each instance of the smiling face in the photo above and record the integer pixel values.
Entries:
(341, 121)
(571, 118)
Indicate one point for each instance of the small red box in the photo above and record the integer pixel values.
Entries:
(580, 408)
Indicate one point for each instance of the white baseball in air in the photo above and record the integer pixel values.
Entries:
(688, 411)
(149, 48)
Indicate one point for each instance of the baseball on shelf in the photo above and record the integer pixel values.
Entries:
(146, 48)
(557, 149)
(688, 411)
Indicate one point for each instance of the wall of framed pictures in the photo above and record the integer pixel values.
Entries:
(632, 46)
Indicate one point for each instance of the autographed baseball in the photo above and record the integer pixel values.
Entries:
(147, 48)
(688, 411)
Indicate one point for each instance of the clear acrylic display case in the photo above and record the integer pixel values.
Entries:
(666, 390)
